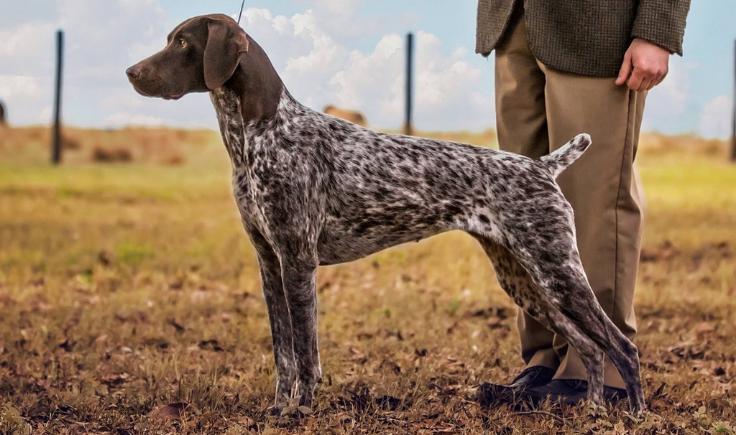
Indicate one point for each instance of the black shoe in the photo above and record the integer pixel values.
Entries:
(570, 392)
(531, 377)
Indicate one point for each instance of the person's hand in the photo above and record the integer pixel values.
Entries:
(645, 66)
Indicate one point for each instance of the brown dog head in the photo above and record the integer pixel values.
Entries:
(201, 54)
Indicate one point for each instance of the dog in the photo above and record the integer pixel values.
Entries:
(316, 190)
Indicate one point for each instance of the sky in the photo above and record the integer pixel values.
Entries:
(349, 53)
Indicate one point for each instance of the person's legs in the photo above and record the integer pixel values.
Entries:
(602, 190)
(521, 124)
(537, 111)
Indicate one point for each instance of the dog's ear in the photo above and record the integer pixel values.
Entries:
(226, 44)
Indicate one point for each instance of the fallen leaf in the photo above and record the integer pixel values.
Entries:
(389, 403)
(211, 345)
(246, 421)
(106, 258)
(67, 345)
(177, 325)
(115, 379)
(172, 410)
(704, 327)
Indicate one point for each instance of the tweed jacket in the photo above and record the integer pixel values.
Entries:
(586, 37)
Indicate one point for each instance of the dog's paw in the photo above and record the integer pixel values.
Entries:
(293, 408)
(290, 411)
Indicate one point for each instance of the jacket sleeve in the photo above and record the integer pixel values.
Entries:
(662, 22)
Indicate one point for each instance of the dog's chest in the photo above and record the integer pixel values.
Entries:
(232, 128)
(233, 132)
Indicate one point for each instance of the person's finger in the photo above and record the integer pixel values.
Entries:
(635, 80)
(655, 80)
(625, 71)
(661, 78)
(646, 84)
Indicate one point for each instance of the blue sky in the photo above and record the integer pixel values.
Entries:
(341, 52)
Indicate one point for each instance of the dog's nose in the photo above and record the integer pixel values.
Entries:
(133, 72)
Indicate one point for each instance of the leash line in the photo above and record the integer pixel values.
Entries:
(241, 11)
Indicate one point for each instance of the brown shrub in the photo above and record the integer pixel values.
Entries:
(111, 154)
(71, 141)
(171, 156)
(41, 134)
(660, 144)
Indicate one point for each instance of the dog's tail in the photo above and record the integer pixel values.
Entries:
(563, 157)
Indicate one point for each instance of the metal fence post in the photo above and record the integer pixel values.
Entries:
(408, 127)
(732, 157)
(56, 141)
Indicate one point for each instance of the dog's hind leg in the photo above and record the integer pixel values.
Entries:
(554, 265)
(520, 286)
(584, 310)
(576, 300)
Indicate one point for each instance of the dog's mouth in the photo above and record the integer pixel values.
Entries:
(156, 95)
(145, 94)
(153, 89)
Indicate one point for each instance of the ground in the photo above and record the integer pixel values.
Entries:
(130, 303)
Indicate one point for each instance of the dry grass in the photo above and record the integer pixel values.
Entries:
(131, 303)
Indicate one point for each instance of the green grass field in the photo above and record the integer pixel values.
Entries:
(130, 303)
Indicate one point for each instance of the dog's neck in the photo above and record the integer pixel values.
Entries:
(257, 84)
(252, 96)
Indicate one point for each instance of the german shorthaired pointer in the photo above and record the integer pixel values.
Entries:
(316, 190)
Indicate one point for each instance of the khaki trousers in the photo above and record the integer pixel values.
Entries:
(538, 110)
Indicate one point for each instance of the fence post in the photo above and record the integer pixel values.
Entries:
(733, 114)
(56, 141)
(408, 127)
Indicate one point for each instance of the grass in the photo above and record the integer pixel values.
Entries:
(130, 303)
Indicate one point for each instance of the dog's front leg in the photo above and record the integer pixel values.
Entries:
(299, 285)
(278, 315)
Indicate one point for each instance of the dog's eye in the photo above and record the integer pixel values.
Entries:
(183, 43)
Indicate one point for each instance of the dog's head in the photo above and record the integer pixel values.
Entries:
(201, 54)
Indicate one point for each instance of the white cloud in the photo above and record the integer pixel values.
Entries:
(325, 52)
(101, 39)
(459, 53)
(671, 97)
(320, 71)
(25, 40)
(371, 79)
(27, 49)
(18, 86)
(309, 49)
(344, 20)
(123, 119)
(124, 99)
(44, 116)
(23, 96)
(313, 50)
(715, 120)
(104, 38)
(339, 8)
